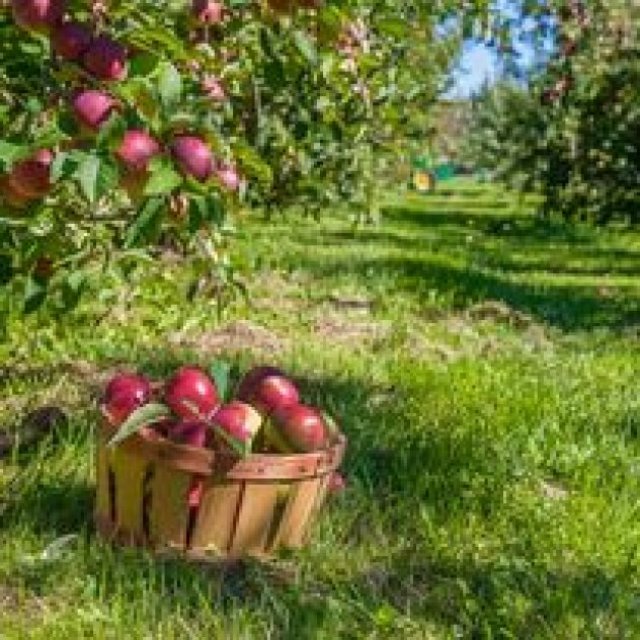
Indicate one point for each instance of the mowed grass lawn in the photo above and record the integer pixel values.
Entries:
(485, 366)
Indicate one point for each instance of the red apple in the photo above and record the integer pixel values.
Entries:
(191, 394)
(30, 177)
(273, 393)
(70, 40)
(164, 427)
(189, 432)
(92, 107)
(38, 15)
(252, 378)
(239, 420)
(208, 12)
(13, 198)
(106, 59)
(137, 149)
(44, 268)
(227, 176)
(193, 157)
(123, 395)
(214, 89)
(302, 427)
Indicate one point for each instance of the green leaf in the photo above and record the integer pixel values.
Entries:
(144, 416)
(35, 293)
(87, 175)
(9, 153)
(112, 131)
(169, 85)
(146, 226)
(6, 269)
(220, 371)
(394, 27)
(305, 46)
(72, 289)
(143, 64)
(163, 179)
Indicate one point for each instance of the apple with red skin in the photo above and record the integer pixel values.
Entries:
(214, 89)
(208, 12)
(137, 149)
(238, 420)
(273, 393)
(31, 177)
(106, 59)
(191, 394)
(190, 432)
(13, 198)
(38, 15)
(193, 157)
(44, 268)
(123, 395)
(71, 40)
(92, 108)
(252, 379)
(282, 6)
(301, 427)
(227, 176)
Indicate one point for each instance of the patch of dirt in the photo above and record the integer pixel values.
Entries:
(552, 491)
(241, 335)
(9, 600)
(274, 292)
(499, 311)
(359, 303)
(346, 331)
(91, 375)
(35, 426)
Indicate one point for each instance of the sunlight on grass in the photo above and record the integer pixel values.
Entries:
(484, 364)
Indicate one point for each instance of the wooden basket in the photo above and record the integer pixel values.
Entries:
(252, 506)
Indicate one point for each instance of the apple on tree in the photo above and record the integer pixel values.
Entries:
(70, 40)
(137, 149)
(38, 15)
(208, 12)
(106, 59)
(193, 156)
(30, 178)
(92, 108)
(10, 196)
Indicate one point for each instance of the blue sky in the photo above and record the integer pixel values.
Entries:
(478, 65)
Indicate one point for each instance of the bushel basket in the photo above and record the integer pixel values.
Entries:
(170, 497)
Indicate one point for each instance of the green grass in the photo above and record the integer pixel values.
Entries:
(485, 367)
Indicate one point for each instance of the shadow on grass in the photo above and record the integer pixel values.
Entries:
(395, 468)
(566, 306)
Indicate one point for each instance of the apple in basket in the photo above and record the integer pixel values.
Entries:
(125, 393)
(191, 394)
(268, 390)
(298, 428)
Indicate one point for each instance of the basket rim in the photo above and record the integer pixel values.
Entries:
(225, 466)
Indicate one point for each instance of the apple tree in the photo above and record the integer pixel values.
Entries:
(127, 126)
(572, 134)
